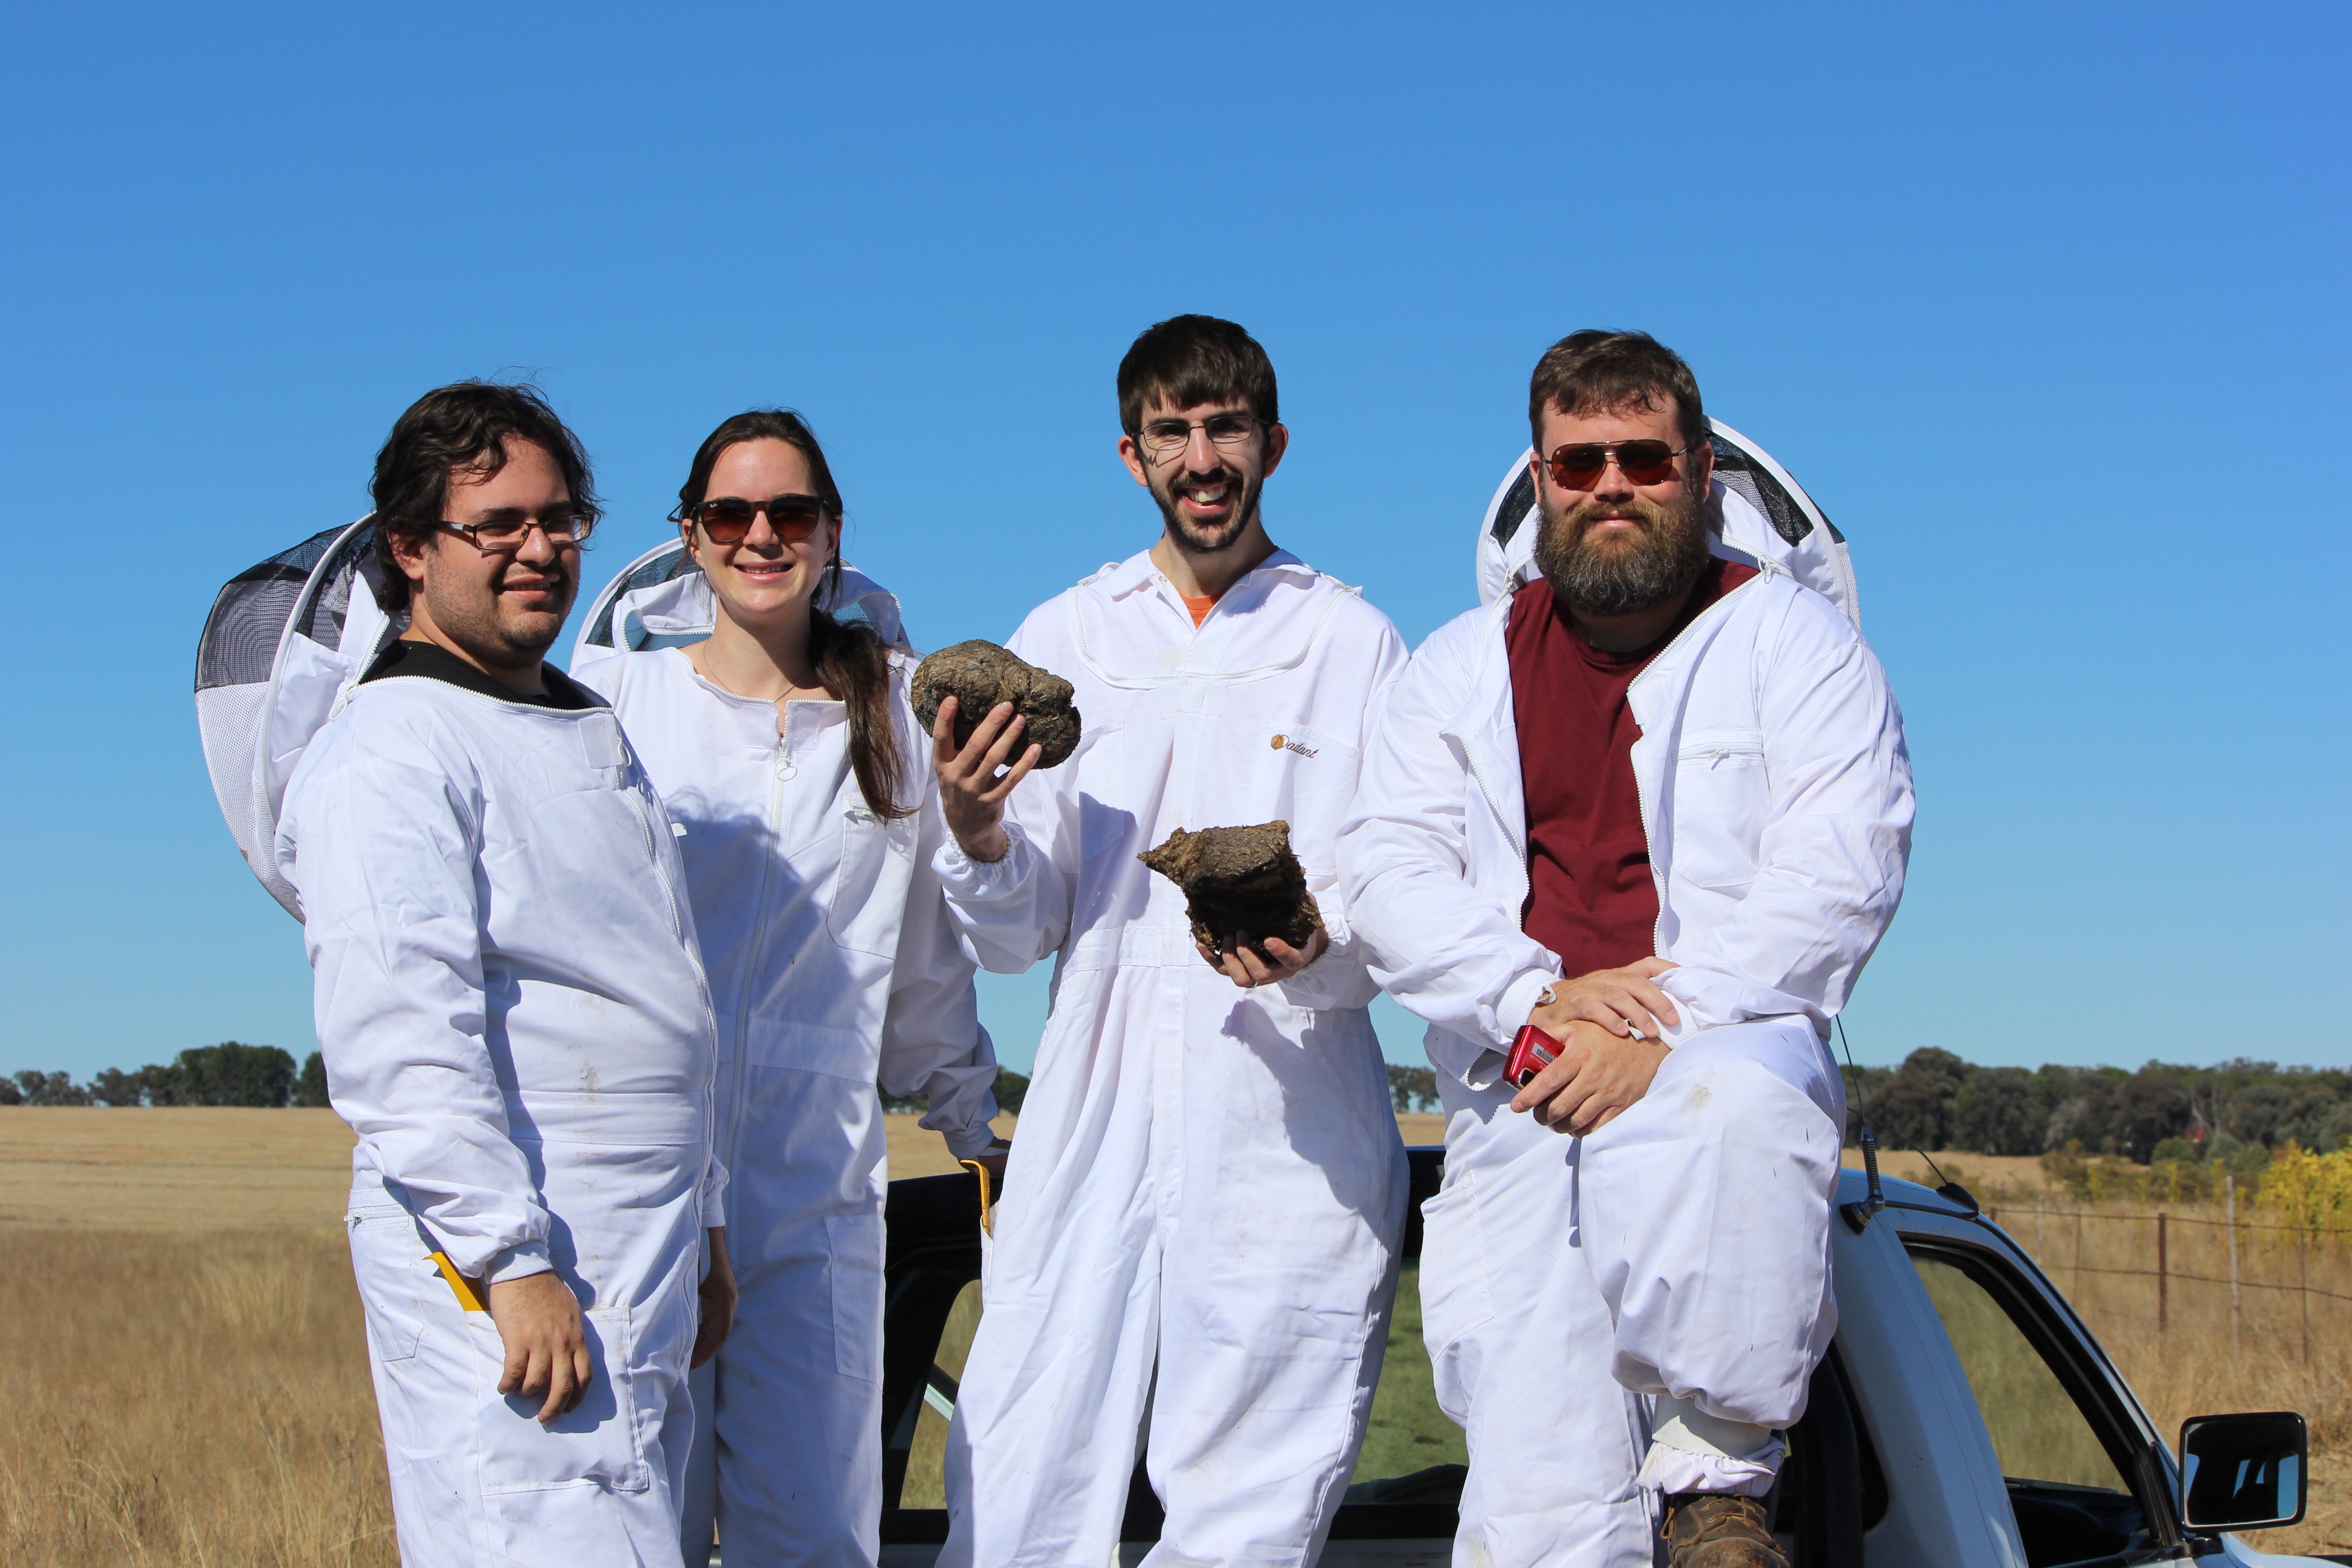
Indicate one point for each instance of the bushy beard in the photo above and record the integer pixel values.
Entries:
(1625, 576)
(1188, 536)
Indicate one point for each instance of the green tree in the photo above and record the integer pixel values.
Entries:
(1914, 1109)
(2151, 1106)
(51, 1089)
(115, 1087)
(310, 1089)
(231, 1073)
(1996, 1111)
(1413, 1089)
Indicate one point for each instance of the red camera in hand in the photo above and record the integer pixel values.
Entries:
(1532, 1052)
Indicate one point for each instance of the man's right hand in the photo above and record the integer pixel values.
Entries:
(971, 794)
(1621, 1000)
(546, 1342)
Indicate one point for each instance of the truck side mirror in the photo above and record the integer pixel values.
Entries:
(2242, 1472)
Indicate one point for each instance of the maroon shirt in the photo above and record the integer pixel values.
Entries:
(1590, 897)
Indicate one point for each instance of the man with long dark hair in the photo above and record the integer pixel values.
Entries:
(515, 1024)
(1207, 1183)
(1656, 804)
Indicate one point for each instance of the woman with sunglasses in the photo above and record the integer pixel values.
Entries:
(799, 787)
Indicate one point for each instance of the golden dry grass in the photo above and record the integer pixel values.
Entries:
(197, 1398)
(173, 1170)
(185, 1377)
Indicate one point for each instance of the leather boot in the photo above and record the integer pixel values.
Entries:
(1719, 1530)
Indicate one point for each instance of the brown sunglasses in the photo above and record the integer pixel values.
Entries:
(1579, 465)
(728, 520)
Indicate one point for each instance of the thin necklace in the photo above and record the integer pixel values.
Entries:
(702, 668)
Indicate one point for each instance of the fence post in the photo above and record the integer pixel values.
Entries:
(2163, 1279)
(2230, 1214)
(2303, 1289)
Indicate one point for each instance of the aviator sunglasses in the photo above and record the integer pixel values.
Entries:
(728, 520)
(1579, 465)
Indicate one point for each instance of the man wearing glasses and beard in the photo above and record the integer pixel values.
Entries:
(1206, 1189)
(1655, 803)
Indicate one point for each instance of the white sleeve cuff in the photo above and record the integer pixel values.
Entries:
(519, 1263)
(1519, 999)
(970, 1142)
(983, 879)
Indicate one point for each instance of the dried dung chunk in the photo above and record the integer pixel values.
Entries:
(979, 674)
(1239, 879)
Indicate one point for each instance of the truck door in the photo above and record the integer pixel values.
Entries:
(2081, 1469)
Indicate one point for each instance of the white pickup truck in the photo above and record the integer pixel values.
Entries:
(1965, 1417)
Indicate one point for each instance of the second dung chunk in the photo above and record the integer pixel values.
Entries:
(1237, 881)
(979, 674)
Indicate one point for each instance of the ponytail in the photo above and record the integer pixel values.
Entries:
(854, 663)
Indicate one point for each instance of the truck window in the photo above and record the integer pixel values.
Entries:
(2071, 1504)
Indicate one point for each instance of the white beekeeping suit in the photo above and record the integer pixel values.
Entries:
(834, 968)
(1638, 1311)
(515, 1024)
(1206, 1179)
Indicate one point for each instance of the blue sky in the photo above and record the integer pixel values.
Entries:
(2044, 305)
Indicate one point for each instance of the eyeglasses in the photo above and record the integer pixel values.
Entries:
(505, 535)
(1164, 438)
(1579, 465)
(728, 520)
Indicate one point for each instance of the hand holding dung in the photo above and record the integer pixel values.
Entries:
(1253, 918)
(981, 703)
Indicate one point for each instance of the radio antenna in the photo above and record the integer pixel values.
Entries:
(1859, 1215)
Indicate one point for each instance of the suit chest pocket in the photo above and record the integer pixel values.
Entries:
(1721, 796)
(1303, 775)
(869, 891)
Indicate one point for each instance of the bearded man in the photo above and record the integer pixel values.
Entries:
(1207, 1185)
(1656, 804)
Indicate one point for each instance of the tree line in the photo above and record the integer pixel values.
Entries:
(2239, 1111)
(230, 1073)
(234, 1073)
(2161, 1113)
(1937, 1100)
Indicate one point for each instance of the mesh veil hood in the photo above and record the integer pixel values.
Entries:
(662, 599)
(285, 643)
(1753, 505)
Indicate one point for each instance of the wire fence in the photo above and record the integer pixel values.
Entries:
(2263, 1280)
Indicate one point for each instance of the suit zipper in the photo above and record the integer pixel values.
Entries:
(1515, 833)
(1641, 793)
(785, 769)
(1520, 857)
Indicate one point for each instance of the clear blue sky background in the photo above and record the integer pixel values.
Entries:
(2045, 305)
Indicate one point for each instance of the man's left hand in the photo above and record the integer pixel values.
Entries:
(1240, 963)
(718, 1298)
(1595, 1078)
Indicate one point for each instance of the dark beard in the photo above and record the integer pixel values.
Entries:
(1662, 561)
(1191, 539)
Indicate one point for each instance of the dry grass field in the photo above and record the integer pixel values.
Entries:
(182, 1368)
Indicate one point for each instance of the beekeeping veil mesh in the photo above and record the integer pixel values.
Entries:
(1753, 505)
(285, 639)
(662, 599)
